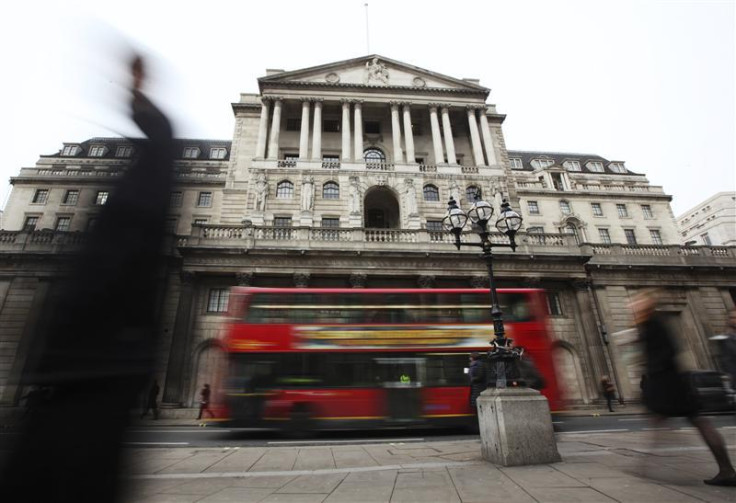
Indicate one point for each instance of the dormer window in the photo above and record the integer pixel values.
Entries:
(97, 151)
(571, 165)
(516, 163)
(70, 150)
(617, 167)
(124, 151)
(595, 166)
(191, 152)
(218, 153)
(542, 163)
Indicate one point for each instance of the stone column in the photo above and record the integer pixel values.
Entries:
(273, 144)
(475, 137)
(304, 134)
(396, 130)
(408, 135)
(262, 130)
(358, 131)
(449, 142)
(346, 130)
(317, 131)
(487, 139)
(439, 158)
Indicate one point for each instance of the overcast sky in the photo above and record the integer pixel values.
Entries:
(650, 83)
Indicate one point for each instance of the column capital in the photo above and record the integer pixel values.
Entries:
(406, 104)
(317, 100)
(346, 101)
(357, 101)
(272, 98)
(475, 107)
(306, 100)
(394, 105)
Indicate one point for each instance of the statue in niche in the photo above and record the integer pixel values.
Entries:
(354, 196)
(307, 193)
(261, 192)
(376, 71)
(455, 190)
(411, 197)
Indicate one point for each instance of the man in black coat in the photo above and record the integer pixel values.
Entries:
(477, 375)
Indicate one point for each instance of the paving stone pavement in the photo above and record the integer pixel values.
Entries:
(597, 467)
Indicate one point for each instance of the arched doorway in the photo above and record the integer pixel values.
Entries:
(381, 209)
(569, 373)
(210, 369)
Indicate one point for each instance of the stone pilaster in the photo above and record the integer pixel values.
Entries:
(181, 340)
(408, 135)
(449, 142)
(262, 129)
(439, 158)
(317, 131)
(304, 133)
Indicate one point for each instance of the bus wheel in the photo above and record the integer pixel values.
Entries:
(300, 423)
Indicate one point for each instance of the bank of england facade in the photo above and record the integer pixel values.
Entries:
(339, 176)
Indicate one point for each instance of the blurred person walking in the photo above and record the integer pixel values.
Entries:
(477, 375)
(98, 349)
(609, 392)
(152, 401)
(204, 401)
(665, 392)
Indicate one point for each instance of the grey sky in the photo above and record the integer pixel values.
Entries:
(647, 82)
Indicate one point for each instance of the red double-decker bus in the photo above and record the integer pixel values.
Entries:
(368, 358)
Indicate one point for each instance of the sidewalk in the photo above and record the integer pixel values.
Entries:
(599, 467)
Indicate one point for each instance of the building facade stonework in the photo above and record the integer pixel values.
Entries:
(339, 176)
(712, 222)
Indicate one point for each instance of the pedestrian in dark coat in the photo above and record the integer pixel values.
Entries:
(609, 392)
(204, 401)
(152, 401)
(665, 391)
(477, 374)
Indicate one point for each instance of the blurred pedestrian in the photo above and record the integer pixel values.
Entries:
(609, 392)
(477, 375)
(152, 401)
(664, 389)
(727, 348)
(98, 348)
(204, 401)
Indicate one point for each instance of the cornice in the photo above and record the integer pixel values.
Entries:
(412, 89)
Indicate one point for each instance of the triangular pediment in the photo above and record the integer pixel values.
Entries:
(373, 71)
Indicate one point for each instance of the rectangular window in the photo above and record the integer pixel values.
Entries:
(71, 197)
(622, 211)
(571, 165)
(30, 224)
(218, 300)
(656, 236)
(647, 211)
(533, 207)
(191, 152)
(70, 150)
(595, 166)
(41, 196)
(542, 163)
(597, 210)
(372, 127)
(605, 236)
(331, 126)
(706, 239)
(434, 225)
(554, 304)
(516, 163)
(565, 207)
(330, 222)
(204, 199)
(176, 199)
(329, 226)
(630, 236)
(218, 153)
(282, 221)
(170, 227)
(101, 197)
(124, 151)
(63, 223)
(293, 124)
(536, 235)
(96, 151)
(617, 167)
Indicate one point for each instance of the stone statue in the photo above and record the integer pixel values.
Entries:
(376, 70)
(411, 197)
(261, 192)
(455, 190)
(354, 196)
(307, 193)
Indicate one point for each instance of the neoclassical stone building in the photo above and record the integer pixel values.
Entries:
(338, 176)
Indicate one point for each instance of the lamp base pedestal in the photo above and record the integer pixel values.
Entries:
(516, 427)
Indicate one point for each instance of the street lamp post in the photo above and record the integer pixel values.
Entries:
(509, 223)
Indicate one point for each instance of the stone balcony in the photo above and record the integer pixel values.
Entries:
(599, 188)
(362, 166)
(182, 173)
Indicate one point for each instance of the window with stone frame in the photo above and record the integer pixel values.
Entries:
(124, 151)
(565, 207)
(597, 209)
(647, 211)
(331, 190)
(434, 225)
(30, 223)
(554, 303)
(282, 221)
(71, 197)
(630, 236)
(472, 192)
(96, 151)
(63, 223)
(595, 166)
(656, 236)
(191, 152)
(101, 197)
(431, 193)
(284, 190)
(516, 163)
(218, 300)
(176, 199)
(329, 230)
(604, 236)
(571, 165)
(532, 207)
(374, 155)
(40, 196)
(622, 211)
(218, 153)
(204, 199)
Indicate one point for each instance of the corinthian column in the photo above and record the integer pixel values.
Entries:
(358, 113)
(475, 137)
(436, 135)
(262, 130)
(304, 134)
(487, 139)
(449, 142)
(396, 130)
(317, 131)
(345, 130)
(273, 144)
(408, 135)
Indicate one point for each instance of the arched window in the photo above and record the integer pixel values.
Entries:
(472, 192)
(431, 193)
(571, 229)
(284, 190)
(331, 190)
(374, 155)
